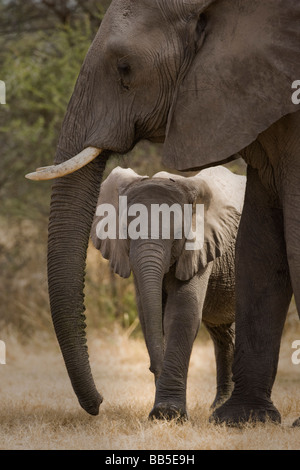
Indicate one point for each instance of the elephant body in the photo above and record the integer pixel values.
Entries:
(176, 287)
(210, 79)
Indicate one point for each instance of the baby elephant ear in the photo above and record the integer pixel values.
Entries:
(107, 238)
(222, 195)
(241, 81)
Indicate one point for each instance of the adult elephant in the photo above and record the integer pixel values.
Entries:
(210, 78)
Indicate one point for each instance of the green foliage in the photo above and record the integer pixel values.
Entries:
(19, 16)
(108, 297)
(40, 72)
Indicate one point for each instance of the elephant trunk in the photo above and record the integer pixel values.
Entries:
(73, 205)
(149, 266)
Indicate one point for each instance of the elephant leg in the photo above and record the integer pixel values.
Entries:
(291, 210)
(223, 339)
(182, 317)
(263, 292)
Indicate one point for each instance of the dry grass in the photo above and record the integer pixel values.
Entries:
(40, 411)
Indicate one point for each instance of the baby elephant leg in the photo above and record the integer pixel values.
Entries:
(223, 339)
(181, 322)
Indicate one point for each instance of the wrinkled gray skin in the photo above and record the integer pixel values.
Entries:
(210, 78)
(176, 287)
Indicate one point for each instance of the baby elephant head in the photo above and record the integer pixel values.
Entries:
(188, 222)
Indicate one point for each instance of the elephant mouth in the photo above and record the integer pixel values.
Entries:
(70, 166)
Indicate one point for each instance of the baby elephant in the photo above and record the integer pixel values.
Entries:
(145, 226)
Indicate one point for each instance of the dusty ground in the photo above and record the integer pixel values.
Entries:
(40, 411)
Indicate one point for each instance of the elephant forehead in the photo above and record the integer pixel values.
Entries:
(154, 192)
(132, 20)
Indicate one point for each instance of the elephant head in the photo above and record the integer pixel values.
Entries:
(151, 257)
(187, 73)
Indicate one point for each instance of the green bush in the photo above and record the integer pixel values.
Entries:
(40, 71)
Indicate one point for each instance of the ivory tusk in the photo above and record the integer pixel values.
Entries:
(70, 166)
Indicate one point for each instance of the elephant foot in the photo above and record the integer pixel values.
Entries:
(296, 424)
(236, 413)
(168, 411)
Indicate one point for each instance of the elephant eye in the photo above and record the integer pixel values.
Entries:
(200, 31)
(201, 24)
(124, 73)
(123, 69)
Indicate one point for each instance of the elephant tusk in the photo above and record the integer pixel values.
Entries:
(70, 166)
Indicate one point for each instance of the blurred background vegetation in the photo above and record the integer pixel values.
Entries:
(43, 44)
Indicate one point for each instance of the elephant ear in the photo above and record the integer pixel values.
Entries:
(113, 248)
(239, 83)
(222, 194)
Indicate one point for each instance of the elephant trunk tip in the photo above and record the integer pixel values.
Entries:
(92, 406)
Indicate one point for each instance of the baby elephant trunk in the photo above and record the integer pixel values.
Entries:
(149, 262)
